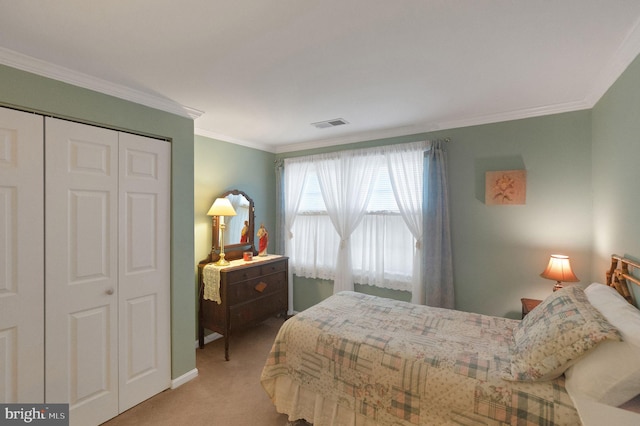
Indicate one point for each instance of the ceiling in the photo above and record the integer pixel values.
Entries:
(259, 72)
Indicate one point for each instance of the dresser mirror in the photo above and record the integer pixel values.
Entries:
(239, 230)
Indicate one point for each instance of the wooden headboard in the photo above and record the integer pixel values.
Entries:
(618, 275)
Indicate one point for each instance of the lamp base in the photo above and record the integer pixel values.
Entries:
(558, 286)
(222, 261)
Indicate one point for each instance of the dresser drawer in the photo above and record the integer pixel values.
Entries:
(243, 274)
(244, 291)
(258, 309)
(273, 267)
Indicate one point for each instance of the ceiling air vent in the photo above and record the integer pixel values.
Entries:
(330, 123)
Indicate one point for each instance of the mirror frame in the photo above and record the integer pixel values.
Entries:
(233, 251)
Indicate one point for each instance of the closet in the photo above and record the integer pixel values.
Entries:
(21, 257)
(88, 266)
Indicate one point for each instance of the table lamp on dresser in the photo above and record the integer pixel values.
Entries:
(221, 207)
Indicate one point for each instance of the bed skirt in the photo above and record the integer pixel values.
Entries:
(300, 403)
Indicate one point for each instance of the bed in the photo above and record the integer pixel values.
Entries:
(356, 359)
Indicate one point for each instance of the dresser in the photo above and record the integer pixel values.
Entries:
(249, 292)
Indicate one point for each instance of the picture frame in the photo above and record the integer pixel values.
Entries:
(506, 187)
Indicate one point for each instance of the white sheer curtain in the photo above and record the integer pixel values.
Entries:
(383, 210)
(294, 181)
(280, 228)
(382, 250)
(406, 163)
(346, 183)
(313, 247)
(438, 267)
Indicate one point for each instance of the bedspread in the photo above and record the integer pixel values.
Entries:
(362, 360)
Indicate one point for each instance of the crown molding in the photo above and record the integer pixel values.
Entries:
(516, 115)
(45, 69)
(436, 126)
(403, 131)
(224, 138)
(620, 60)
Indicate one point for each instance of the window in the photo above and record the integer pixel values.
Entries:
(382, 246)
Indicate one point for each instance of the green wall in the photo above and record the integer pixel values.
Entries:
(499, 251)
(616, 155)
(34, 93)
(221, 166)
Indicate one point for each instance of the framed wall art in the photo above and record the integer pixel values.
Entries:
(505, 187)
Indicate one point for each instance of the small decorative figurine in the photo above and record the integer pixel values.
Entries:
(263, 240)
(244, 234)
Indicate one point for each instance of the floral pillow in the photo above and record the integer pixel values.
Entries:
(555, 334)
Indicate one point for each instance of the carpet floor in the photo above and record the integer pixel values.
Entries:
(225, 393)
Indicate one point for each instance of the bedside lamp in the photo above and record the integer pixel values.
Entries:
(221, 207)
(559, 269)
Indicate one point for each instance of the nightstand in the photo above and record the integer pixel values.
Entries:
(528, 305)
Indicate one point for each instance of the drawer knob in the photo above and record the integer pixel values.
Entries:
(260, 286)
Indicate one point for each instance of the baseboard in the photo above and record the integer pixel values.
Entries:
(194, 373)
(188, 376)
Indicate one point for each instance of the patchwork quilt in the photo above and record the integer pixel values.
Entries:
(387, 362)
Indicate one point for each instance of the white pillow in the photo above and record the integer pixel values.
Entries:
(610, 373)
(620, 313)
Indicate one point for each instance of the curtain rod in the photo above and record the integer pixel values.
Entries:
(447, 140)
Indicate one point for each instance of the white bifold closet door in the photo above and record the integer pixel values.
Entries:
(107, 203)
(21, 258)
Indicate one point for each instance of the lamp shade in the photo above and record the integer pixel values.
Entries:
(559, 269)
(221, 207)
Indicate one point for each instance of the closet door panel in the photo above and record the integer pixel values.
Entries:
(81, 184)
(21, 258)
(144, 294)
